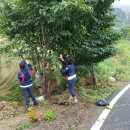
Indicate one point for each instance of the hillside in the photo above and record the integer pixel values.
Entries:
(125, 8)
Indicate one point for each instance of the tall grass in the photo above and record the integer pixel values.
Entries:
(117, 66)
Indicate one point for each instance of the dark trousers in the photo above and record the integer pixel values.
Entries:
(27, 93)
(71, 84)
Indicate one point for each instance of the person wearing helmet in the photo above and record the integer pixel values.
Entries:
(26, 85)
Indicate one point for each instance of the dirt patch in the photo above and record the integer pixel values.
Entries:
(79, 116)
(9, 109)
(12, 123)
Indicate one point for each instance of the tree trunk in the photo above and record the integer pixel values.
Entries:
(43, 73)
(47, 88)
(93, 74)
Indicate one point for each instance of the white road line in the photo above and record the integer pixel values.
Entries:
(99, 122)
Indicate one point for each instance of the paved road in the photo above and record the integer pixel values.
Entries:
(119, 117)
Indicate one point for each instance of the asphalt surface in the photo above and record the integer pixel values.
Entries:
(119, 116)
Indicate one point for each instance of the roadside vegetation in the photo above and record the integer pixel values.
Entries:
(36, 34)
(100, 51)
(116, 66)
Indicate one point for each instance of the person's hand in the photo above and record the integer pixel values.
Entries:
(61, 57)
(27, 62)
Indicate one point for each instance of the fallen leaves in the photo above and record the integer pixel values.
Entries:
(8, 109)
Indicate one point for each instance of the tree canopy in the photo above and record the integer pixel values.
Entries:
(84, 29)
(98, 43)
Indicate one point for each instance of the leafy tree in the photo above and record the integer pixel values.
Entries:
(38, 29)
(69, 21)
(27, 29)
(98, 44)
(35, 26)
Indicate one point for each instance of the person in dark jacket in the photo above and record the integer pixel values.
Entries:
(26, 85)
(69, 71)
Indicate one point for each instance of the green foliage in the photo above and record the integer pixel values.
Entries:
(61, 87)
(82, 70)
(53, 67)
(35, 29)
(117, 66)
(105, 68)
(99, 41)
(23, 126)
(16, 93)
(69, 30)
(87, 92)
(39, 30)
(124, 48)
(120, 69)
(34, 26)
(124, 61)
(3, 98)
(49, 115)
(126, 31)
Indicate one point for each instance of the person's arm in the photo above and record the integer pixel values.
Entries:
(63, 62)
(20, 77)
(65, 71)
(30, 67)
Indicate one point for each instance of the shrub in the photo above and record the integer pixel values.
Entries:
(49, 115)
(23, 126)
(16, 93)
(32, 114)
(61, 87)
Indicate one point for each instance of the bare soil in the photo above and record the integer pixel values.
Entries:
(80, 116)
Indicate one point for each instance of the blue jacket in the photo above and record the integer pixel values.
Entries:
(69, 71)
(25, 77)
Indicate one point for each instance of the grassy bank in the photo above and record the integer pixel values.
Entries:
(117, 67)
